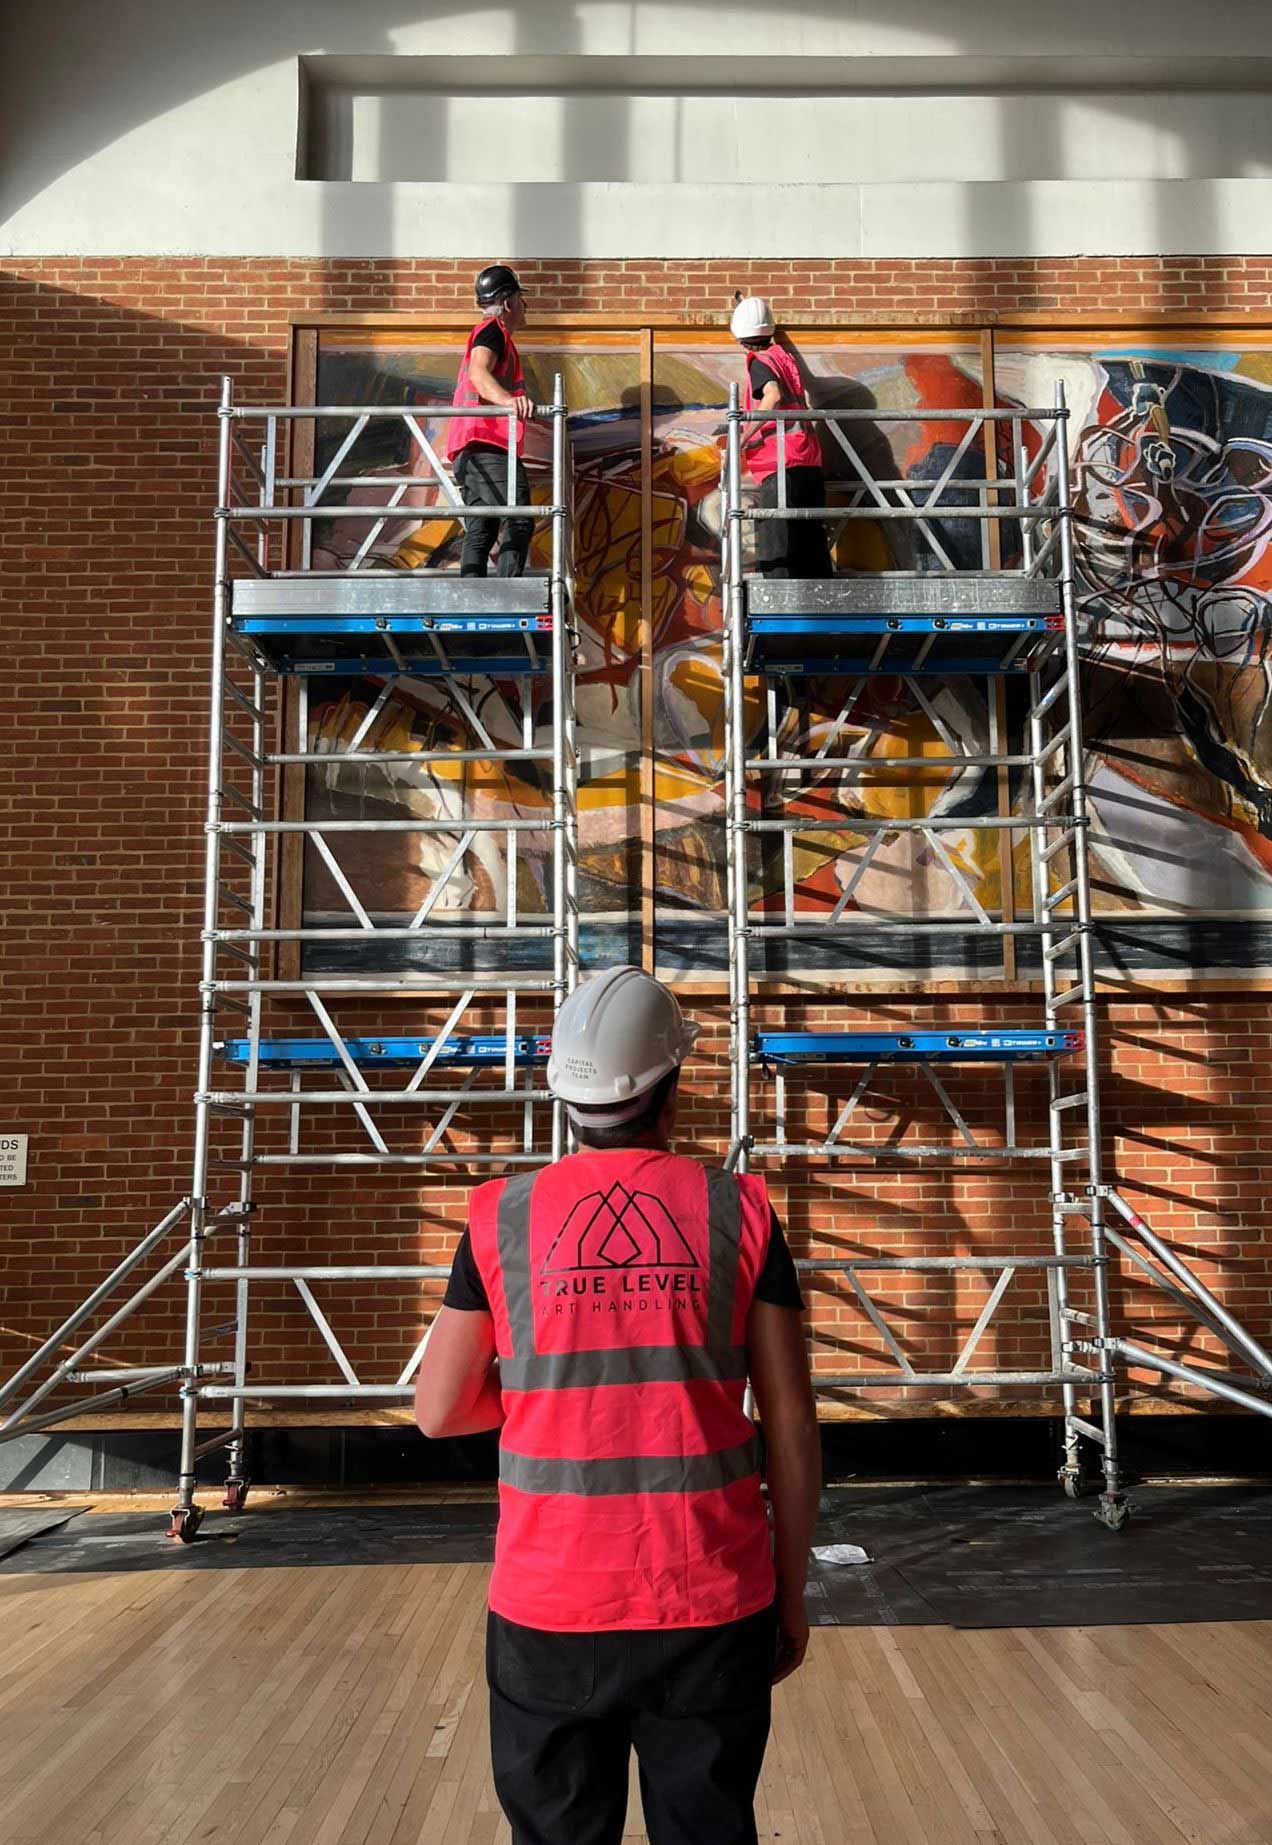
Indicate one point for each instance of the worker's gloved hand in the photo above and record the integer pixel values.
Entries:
(792, 1638)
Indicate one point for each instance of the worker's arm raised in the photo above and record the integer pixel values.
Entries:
(482, 378)
(778, 1361)
(457, 1387)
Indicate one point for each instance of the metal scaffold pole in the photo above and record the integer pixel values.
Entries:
(565, 949)
(185, 1515)
(738, 883)
(1112, 1505)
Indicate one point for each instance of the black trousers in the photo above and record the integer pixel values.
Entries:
(794, 547)
(566, 1710)
(481, 473)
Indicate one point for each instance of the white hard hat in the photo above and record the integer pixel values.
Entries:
(752, 318)
(614, 1037)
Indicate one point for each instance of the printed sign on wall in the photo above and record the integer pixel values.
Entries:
(13, 1159)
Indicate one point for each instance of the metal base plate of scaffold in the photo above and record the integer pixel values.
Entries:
(418, 622)
(784, 1047)
(901, 624)
(321, 1053)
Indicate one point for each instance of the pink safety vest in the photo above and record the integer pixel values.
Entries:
(803, 450)
(492, 427)
(629, 1480)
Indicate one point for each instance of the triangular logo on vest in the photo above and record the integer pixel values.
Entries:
(618, 1229)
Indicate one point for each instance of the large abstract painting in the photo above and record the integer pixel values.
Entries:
(1171, 475)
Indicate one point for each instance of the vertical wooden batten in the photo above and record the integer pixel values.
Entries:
(288, 898)
(996, 687)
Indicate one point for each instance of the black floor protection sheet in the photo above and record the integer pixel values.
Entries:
(955, 1556)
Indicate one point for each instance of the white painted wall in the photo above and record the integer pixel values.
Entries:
(157, 127)
(761, 140)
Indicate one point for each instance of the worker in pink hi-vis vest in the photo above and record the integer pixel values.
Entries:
(784, 547)
(604, 1314)
(490, 374)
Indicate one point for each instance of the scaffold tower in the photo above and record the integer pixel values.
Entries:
(302, 1021)
(1010, 627)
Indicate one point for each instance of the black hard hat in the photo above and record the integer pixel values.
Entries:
(494, 282)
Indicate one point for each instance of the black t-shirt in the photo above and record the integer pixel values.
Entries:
(495, 341)
(778, 1281)
(760, 375)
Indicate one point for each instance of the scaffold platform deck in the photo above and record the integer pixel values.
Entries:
(419, 594)
(420, 622)
(899, 625)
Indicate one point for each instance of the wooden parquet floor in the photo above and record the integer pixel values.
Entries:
(346, 1706)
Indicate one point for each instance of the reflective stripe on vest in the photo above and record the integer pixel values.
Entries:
(803, 450)
(632, 1473)
(626, 1364)
(491, 428)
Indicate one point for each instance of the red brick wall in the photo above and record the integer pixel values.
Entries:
(110, 370)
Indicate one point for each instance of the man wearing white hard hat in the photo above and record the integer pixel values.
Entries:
(794, 547)
(604, 1314)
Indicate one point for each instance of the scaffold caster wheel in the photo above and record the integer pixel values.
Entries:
(235, 1495)
(185, 1522)
(1113, 1512)
(1076, 1484)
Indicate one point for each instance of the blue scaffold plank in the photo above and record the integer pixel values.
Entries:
(906, 624)
(784, 1047)
(393, 624)
(316, 644)
(795, 645)
(321, 1053)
